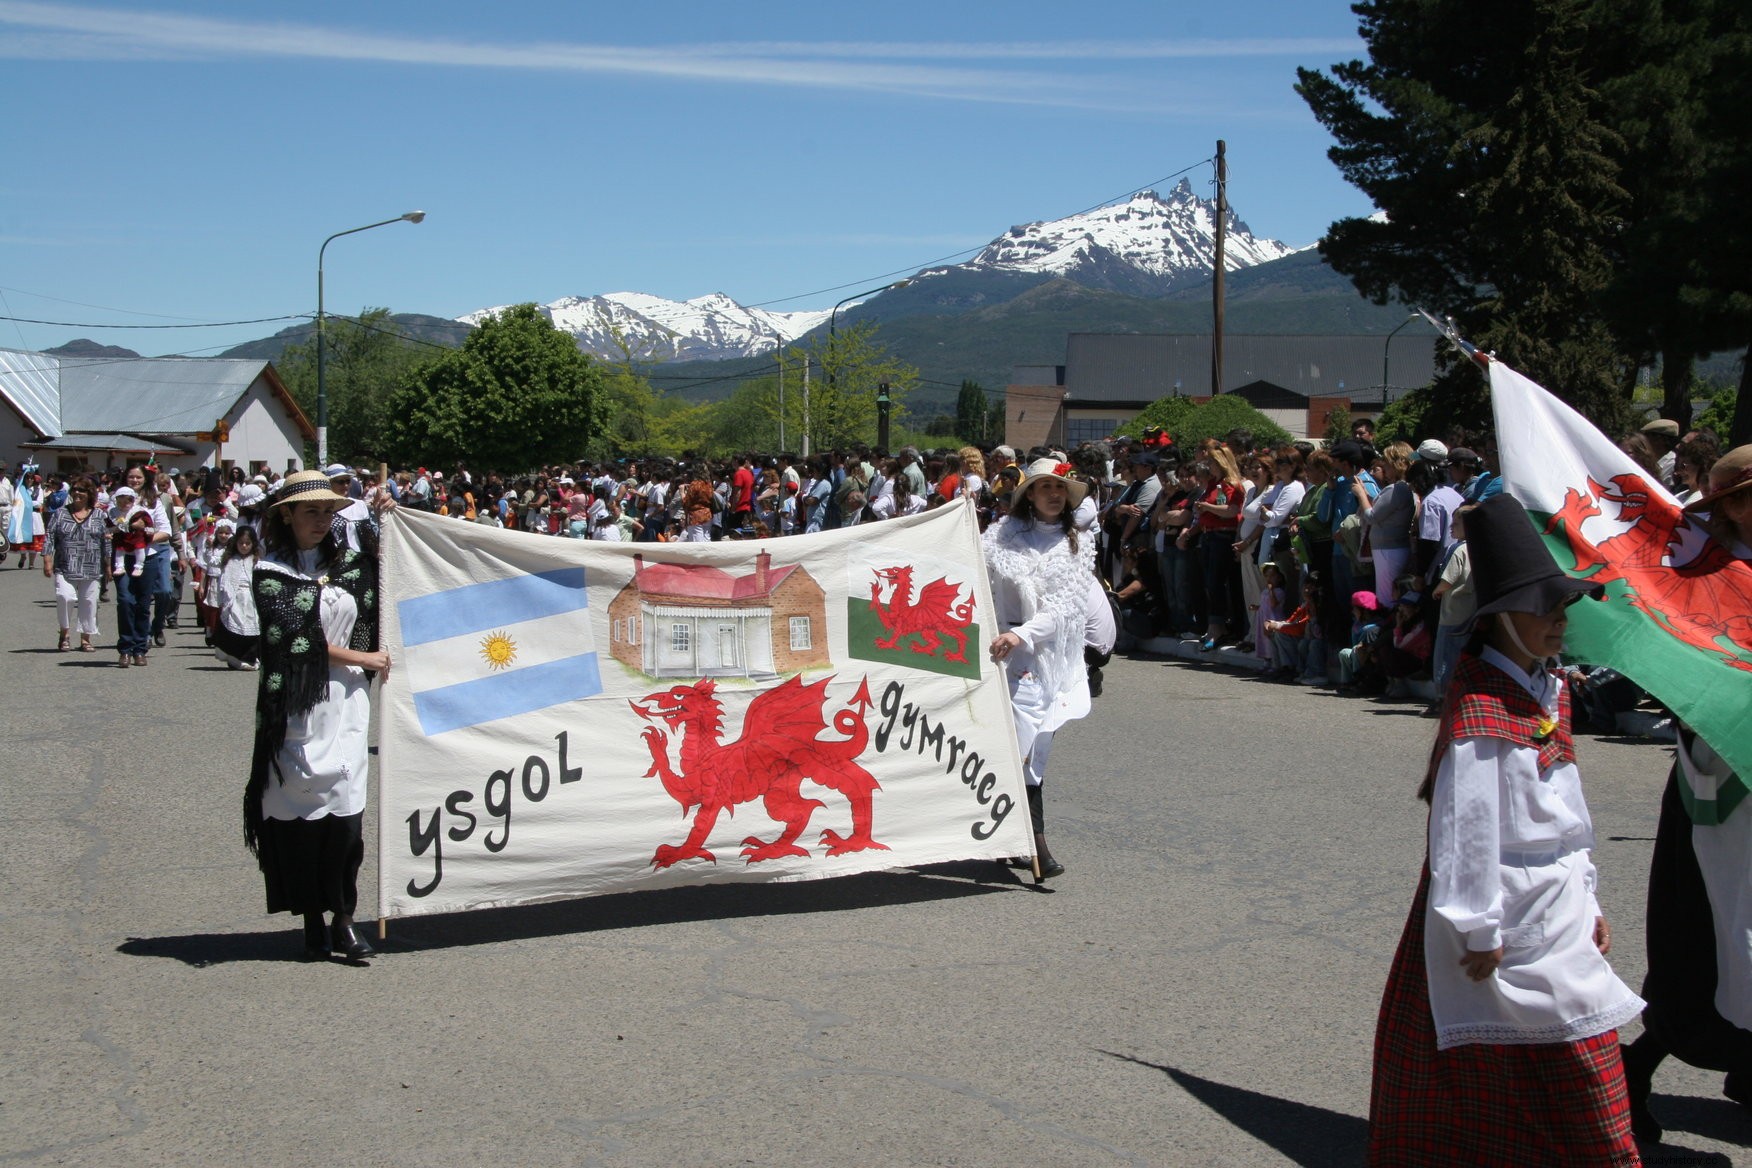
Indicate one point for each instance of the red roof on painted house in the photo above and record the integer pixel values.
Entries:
(704, 583)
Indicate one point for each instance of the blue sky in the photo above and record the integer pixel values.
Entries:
(183, 161)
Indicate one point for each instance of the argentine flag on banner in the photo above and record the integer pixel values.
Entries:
(481, 652)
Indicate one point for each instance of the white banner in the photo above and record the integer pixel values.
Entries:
(570, 718)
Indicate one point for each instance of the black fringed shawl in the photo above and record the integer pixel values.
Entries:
(294, 657)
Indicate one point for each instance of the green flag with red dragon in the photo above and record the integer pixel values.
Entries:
(1677, 614)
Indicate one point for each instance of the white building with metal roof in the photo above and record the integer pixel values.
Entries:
(68, 413)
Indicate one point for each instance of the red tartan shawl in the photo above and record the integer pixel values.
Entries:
(1484, 702)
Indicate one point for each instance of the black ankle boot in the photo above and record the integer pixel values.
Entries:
(316, 940)
(1049, 867)
(348, 943)
(1640, 1060)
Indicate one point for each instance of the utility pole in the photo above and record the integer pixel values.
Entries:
(805, 405)
(1217, 275)
(781, 400)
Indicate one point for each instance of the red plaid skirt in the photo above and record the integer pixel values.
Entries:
(1475, 1105)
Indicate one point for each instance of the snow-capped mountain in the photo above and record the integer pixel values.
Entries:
(1145, 246)
(1165, 238)
(705, 328)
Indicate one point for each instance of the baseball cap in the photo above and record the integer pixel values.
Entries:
(1430, 450)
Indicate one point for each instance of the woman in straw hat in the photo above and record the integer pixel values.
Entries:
(1043, 579)
(316, 602)
(1699, 983)
(1497, 1041)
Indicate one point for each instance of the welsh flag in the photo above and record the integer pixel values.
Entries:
(1677, 615)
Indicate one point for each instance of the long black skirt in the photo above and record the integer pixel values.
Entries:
(1681, 983)
(312, 865)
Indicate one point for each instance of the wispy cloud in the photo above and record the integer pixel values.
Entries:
(53, 31)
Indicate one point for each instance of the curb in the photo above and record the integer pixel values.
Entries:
(1188, 650)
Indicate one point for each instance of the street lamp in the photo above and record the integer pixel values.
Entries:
(321, 339)
(882, 393)
(1385, 354)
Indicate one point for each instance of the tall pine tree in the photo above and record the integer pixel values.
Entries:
(1474, 129)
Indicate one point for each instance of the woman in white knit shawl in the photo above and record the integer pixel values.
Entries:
(1043, 583)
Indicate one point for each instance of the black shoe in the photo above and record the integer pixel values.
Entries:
(348, 943)
(158, 639)
(316, 941)
(1738, 1087)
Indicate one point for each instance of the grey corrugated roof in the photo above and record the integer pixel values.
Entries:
(121, 443)
(1137, 368)
(31, 383)
(152, 395)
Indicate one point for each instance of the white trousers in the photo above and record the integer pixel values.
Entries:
(77, 597)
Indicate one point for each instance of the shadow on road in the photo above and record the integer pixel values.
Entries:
(1715, 1119)
(1310, 1136)
(596, 914)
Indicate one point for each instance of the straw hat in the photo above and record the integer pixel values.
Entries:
(307, 486)
(1045, 468)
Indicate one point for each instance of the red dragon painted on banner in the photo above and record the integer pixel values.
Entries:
(1688, 584)
(933, 616)
(778, 750)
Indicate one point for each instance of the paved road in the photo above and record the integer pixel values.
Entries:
(1199, 989)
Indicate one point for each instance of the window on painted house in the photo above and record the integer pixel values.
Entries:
(680, 637)
(799, 633)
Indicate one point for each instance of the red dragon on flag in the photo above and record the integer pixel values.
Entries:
(1672, 572)
(778, 750)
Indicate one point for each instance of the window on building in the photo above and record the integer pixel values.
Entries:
(800, 633)
(1087, 430)
(680, 637)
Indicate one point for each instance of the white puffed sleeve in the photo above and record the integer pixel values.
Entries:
(1465, 841)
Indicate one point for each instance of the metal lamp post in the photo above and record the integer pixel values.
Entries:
(1386, 352)
(882, 394)
(321, 333)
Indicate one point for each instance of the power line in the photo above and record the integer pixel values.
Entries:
(104, 307)
(204, 324)
(981, 247)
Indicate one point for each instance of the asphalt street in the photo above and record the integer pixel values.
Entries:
(1199, 989)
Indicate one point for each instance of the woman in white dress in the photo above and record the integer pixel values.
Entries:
(304, 807)
(1043, 584)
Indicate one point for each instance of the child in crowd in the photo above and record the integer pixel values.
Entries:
(1297, 643)
(132, 534)
(1269, 610)
(1356, 663)
(1408, 652)
(1454, 625)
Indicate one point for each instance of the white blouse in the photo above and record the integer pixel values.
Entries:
(1510, 868)
(326, 754)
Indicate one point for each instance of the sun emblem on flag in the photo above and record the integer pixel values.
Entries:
(499, 650)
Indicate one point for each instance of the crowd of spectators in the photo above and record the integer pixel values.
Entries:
(1340, 566)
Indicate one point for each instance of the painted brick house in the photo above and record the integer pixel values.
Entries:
(692, 620)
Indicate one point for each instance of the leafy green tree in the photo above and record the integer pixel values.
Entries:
(368, 360)
(633, 404)
(1474, 128)
(1169, 413)
(844, 374)
(1338, 425)
(518, 394)
(1719, 414)
(746, 420)
(972, 413)
(1226, 412)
